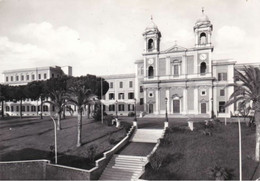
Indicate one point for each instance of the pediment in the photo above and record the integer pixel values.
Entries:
(175, 48)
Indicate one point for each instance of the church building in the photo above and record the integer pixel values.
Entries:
(185, 81)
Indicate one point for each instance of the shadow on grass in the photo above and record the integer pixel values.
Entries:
(34, 154)
(161, 174)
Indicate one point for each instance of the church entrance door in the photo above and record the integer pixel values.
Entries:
(203, 108)
(150, 107)
(176, 106)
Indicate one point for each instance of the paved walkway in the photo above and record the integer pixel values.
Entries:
(137, 149)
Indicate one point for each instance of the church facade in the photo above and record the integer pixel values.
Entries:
(185, 81)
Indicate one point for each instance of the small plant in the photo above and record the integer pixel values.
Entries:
(220, 173)
(92, 150)
(166, 140)
(131, 114)
(108, 119)
(97, 113)
(114, 140)
(156, 161)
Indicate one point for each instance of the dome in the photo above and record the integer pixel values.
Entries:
(152, 25)
(203, 20)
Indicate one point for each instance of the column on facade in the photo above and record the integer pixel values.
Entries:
(168, 67)
(196, 64)
(155, 44)
(169, 100)
(157, 101)
(210, 100)
(145, 100)
(185, 101)
(196, 100)
(196, 38)
(184, 62)
(156, 67)
(145, 68)
(145, 44)
(215, 100)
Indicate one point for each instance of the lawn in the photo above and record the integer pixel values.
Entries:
(189, 155)
(31, 138)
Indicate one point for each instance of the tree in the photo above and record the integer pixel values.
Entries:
(80, 94)
(3, 97)
(17, 93)
(248, 90)
(55, 88)
(35, 90)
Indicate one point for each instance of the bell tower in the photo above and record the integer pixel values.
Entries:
(152, 37)
(203, 29)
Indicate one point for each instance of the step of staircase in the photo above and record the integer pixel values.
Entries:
(124, 167)
(147, 135)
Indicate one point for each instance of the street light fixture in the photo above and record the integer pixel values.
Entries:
(55, 139)
(166, 114)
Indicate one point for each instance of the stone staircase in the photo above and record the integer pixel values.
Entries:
(124, 167)
(147, 135)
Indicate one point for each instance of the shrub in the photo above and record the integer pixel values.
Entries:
(166, 141)
(114, 139)
(131, 114)
(156, 161)
(220, 173)
(126, 125)
(108, 120)
(97, 113)
(91, 151)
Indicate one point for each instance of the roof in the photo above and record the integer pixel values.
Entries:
(223, 62)
(241, 65)
(139, 61)
(30, 69)
(118, 76)
(174, 48)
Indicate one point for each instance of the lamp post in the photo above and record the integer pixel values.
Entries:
(55, 139)
(116, 109)
(240, 150)
(135, 109)
(102, 118)
(166, 114)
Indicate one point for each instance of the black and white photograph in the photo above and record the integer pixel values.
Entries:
(130, 90)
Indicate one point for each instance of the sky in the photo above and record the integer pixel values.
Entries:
(104, 37)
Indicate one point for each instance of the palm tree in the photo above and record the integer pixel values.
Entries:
(58, 100)
(79, 95)
(248, 90)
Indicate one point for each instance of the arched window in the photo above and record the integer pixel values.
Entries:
(203, 68)
(7, 108)
(150, 44)
(150, 72)
(45, 108)
(203, 38)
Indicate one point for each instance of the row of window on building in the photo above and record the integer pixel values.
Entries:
(111, 96)
(121, 107)
(176, 71)
(23, 77)
(32, 108)
(121, 85)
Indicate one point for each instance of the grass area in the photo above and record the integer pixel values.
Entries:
(189, 155)
(31, 138)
